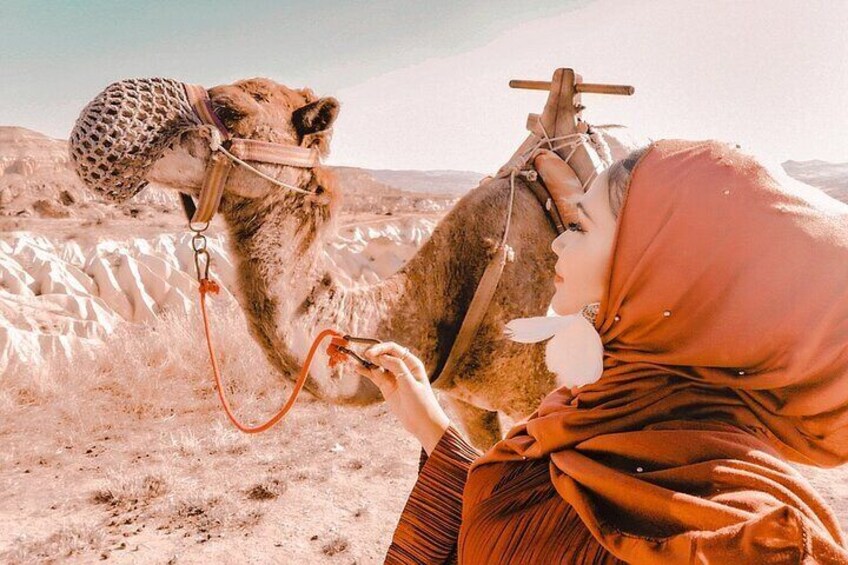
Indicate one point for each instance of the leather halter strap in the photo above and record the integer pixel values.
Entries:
(220, 164)
(548, 201)
(488, 283)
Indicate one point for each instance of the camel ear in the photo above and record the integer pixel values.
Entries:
(315, 116)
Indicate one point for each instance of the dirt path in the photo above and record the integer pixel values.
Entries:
(326, 486)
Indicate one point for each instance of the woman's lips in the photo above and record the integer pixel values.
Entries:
(558, 279)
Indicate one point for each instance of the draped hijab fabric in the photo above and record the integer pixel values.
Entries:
(725, 329)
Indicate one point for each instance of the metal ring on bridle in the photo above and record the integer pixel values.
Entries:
(198, 242)
(197, 254)
(198, 230)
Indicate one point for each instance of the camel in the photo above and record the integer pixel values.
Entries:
(290, 292)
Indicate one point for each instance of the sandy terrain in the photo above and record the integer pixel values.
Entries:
(114, 445)
(128, 457)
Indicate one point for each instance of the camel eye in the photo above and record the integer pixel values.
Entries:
(259, 97)
(228, 114)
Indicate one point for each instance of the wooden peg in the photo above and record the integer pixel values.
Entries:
(533, 121)
(586, 87)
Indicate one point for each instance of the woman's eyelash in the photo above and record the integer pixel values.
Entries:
(574, 226)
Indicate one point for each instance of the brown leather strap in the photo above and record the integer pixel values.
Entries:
(275, 153)
(473, 316)
(213, 188)
(486, 288)
(202, 105)
(540, 191)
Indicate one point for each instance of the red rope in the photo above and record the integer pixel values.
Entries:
(210, 286)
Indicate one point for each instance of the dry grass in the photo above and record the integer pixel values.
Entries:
(123, 454)
(207, 515)
(129, 492)
(335, 546)
(267, 489)
(67, 542)
(147, 371)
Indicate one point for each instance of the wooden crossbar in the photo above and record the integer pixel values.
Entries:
(561, 115)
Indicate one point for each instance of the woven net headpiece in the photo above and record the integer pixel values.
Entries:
(122, 132)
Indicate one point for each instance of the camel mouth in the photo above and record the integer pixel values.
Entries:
(182, 165)
(125, 130)
(342, 385)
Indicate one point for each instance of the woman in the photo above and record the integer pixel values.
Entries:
(723, 312)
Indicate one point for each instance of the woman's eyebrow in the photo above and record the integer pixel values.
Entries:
(585, 213)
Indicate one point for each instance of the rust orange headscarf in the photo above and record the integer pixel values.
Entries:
(725, 330)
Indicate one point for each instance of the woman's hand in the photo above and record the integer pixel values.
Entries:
(403, 381)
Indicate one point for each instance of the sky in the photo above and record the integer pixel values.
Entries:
(423, 85)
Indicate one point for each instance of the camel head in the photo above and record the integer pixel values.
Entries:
(258, 109)
(139, 131)
(144, 130)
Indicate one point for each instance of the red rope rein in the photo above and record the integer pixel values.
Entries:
(209, 286)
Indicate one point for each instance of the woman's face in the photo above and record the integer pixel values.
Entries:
(584, 251)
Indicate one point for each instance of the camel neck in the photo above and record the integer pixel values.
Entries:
(277, 252)
(290, 289)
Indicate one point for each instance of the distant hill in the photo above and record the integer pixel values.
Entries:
(37, 179)
(453, 183)
(23, 150)
(386, 191)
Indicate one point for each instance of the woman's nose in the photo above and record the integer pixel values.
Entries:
(557, 243)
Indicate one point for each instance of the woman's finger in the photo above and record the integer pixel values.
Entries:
(416, 367)
(384, 380)
(389, 348)
(386, 347)
(413, 363)
(395, 365)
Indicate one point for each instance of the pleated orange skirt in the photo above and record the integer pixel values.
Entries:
(512, 514)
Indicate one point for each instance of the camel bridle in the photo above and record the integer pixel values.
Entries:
(228, 151)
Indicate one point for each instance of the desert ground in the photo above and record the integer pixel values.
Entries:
(114, 445)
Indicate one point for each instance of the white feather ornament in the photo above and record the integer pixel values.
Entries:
(575, 352)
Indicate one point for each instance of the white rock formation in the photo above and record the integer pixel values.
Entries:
(59, 299)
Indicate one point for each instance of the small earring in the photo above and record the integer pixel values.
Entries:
(590, 312)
